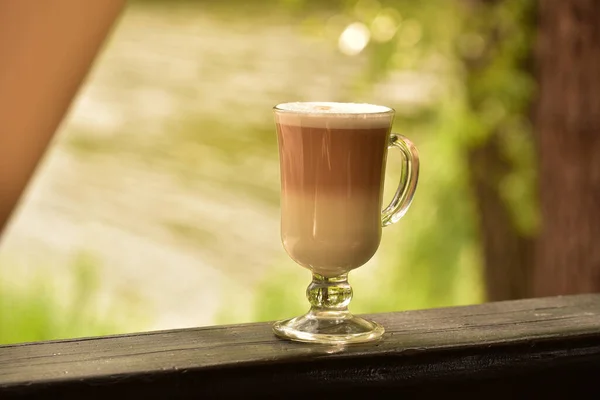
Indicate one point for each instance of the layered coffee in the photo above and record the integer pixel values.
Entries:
(332, 159)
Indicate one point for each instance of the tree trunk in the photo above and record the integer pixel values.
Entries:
(507, 252)
(568, 136)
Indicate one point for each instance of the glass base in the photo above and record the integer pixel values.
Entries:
(328, 327)
(329, 321)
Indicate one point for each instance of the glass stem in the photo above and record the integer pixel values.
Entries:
(329, 295)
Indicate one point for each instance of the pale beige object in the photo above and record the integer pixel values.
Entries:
(46, 49)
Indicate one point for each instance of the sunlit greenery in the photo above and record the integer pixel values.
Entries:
(36, 312)
(430, 258)
(433, 258)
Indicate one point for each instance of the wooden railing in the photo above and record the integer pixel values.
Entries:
(539, 348)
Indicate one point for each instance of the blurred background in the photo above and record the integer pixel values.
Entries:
(157, 206)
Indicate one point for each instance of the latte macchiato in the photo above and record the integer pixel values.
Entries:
(332, 158)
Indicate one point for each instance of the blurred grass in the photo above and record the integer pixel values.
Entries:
(38, 310)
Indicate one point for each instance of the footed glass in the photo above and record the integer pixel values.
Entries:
(333, 159)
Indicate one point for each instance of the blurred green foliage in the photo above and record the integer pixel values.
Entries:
(436, 261)
(36, 311)
(430, 258)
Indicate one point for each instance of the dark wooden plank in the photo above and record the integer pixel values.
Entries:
(549, 345)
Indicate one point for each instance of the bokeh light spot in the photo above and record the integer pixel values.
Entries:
(354, 38)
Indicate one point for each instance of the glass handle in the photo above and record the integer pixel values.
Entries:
(408, 180)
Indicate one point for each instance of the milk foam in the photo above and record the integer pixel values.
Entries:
(334, 115)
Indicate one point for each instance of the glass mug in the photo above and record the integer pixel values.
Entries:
(332, 164)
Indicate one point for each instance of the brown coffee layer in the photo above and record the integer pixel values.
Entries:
(340, 161)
